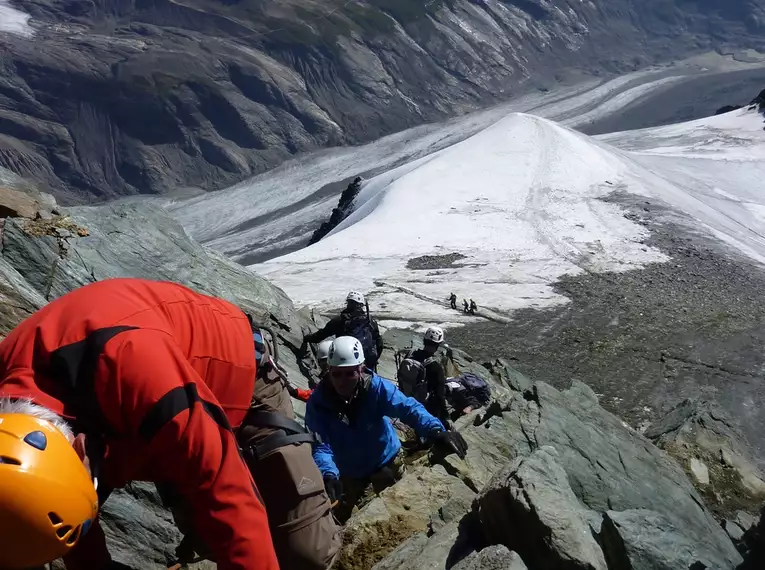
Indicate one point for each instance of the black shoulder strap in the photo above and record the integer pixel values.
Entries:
(75, 366)
(288, 432)
(274, 420)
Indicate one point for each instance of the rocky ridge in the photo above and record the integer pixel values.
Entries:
(551, 480)
(114, 98)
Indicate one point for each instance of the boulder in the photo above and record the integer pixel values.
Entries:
(640, 539)
(432, 553)
(496, 557)
(529, 507)
(709, 443)
(18, 204)
(397, 514)
(734, 530)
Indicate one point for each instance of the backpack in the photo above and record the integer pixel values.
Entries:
(411, 377)
(476, 386)
(360, 327)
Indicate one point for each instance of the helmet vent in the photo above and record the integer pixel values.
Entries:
(55, 519)
(74, 536)
(63, 531)
(9, 460)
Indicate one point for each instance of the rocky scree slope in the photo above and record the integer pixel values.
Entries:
(552, 481)
(113, 98)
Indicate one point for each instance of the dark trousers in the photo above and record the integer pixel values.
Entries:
(358, 492)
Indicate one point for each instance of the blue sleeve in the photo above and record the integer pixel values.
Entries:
(322, 452)
(394, 404)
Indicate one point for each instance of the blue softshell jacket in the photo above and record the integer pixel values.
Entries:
(360, 447)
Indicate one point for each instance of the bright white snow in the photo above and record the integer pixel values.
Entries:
(14, 21)
(520, 200)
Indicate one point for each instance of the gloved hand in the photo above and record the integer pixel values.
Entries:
(334, 488)
(450, 442)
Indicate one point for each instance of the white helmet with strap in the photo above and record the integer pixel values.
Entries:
(434, 334)
(322, 351)
(346, 351)
(356, 297)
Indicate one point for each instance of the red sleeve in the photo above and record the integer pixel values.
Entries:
(303, 394)
(154, 394)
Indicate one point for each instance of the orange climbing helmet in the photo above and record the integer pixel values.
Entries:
(47, 498)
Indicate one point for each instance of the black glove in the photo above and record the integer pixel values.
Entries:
(450, 442)
(334, 488)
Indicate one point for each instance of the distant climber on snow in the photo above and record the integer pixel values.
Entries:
(358, 445)
(453, 301)
(353, 321)
(158, 375)
(421, 376)
(473, 307)
(465, 306)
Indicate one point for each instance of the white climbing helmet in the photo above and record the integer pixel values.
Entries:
(355, 296)
(435, 334)
(346, 351)
(322, 351)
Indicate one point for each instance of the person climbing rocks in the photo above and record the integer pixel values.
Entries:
(421, 376)
(278, 452)
(466, 392)
(473, 307)
(155, 373)
(465, 306)
(353, 321)
(358, 445)
(453, 301)
(276, 372)
(322, 355)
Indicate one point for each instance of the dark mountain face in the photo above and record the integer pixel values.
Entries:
(121, 97)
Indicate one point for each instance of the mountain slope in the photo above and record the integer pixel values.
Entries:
(119, 98)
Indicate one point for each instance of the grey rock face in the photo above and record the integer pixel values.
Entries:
(117, 98)
(646, 540)
(492, 558)
(704, 438)
(529, 505)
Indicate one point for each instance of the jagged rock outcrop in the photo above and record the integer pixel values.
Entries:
(112, 98)
(342, 211)
(529, 505)
(758, 102)
(564, 484)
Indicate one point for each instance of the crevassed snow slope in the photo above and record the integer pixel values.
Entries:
(712, 169)
(520, 201)
(14, 21)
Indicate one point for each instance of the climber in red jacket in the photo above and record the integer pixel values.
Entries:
(145, 380)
